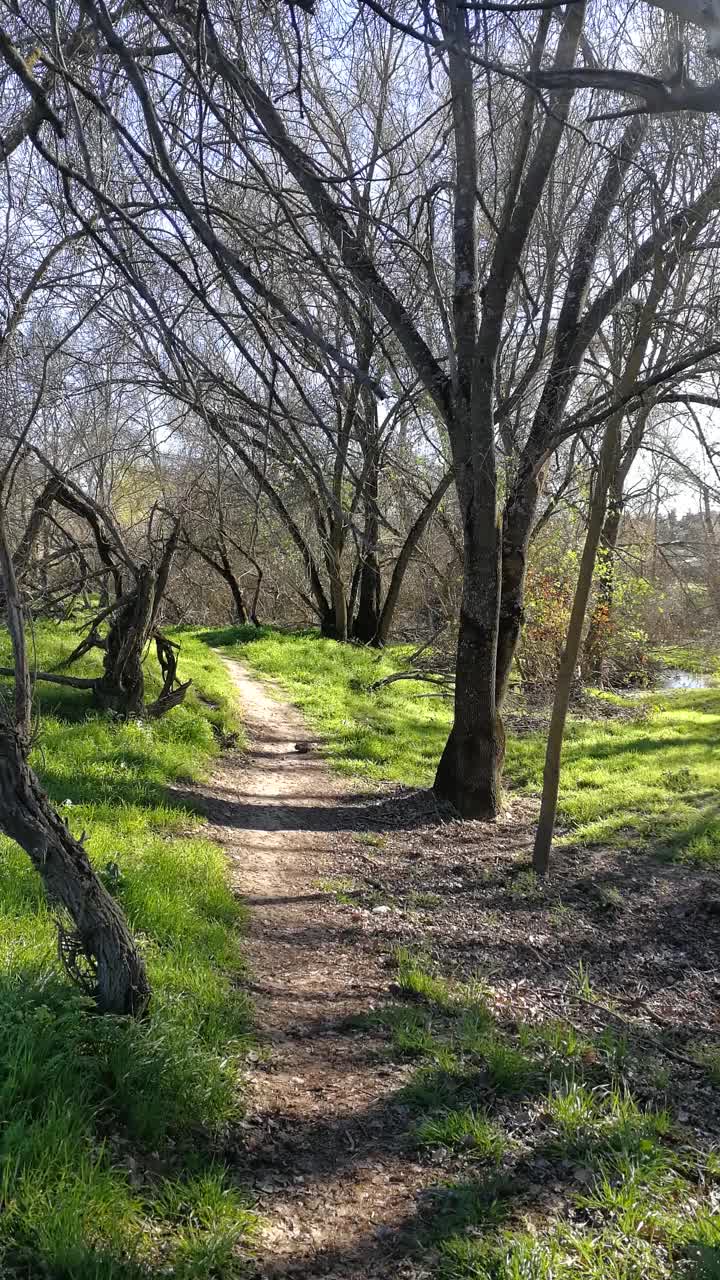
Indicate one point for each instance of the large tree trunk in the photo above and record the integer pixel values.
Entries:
(328, 627)
(470, 769)
(367, 618)
(118, 973)
(338, 596)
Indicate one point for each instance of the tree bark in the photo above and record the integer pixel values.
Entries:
(470, 767)
(392, 596)
(121, 688)
(571, 651)
(572, 337)
(117, 977)
(367, 619)
(322, 606)
(597, 638)
(338, 596)
(607, 470)
(518, 520)
(238, 599)
(121, 984)
(224, 569)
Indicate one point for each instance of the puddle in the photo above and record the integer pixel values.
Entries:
(675, 678)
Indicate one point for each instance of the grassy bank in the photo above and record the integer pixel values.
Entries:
(688, 657)
(650, 782)
(108, 1128)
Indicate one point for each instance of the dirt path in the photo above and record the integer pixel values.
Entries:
(326, 1149)
(326, 1145)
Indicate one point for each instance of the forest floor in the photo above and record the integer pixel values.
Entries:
(322, 1145)
(463, 1072)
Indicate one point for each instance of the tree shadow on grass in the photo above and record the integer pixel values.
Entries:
(552, 1159)
(225, 637)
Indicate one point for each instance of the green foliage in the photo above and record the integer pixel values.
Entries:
(688, 657)
(585, 1119)
(390, 733)
(467, 1129)
(618, 776)
(416, 979)
(709, 1056)
(648, 783)
(631, 660)
(107, 1125)
(341, 890)
(548, 600)
(618, 1194)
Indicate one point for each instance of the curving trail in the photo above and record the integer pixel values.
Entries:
(326, 1148)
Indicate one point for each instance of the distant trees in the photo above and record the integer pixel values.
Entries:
(98, 945)
(364, 251)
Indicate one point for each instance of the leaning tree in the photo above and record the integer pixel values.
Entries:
(125, 627)
(96, 944)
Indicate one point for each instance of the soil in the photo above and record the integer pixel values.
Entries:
(335, 881)
(323, 1143)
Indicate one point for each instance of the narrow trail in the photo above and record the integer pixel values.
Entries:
(326, 1149)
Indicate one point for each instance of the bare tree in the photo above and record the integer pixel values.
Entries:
(532, 245)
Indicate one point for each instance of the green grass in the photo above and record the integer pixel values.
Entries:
(648, 783)
(109, 1128)
(581, 1171)
(396, 733)
(343, 891)
(468, 1129)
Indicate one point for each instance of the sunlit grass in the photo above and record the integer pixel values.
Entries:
(688, 657)
(395, 733)
(467, 1129)
(651, 782)
(108, 1126)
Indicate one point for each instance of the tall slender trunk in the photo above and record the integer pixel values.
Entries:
(571, 651)
(607, 470)
(367, 619)
(321, 604)
(595, 649)
(407, 551)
